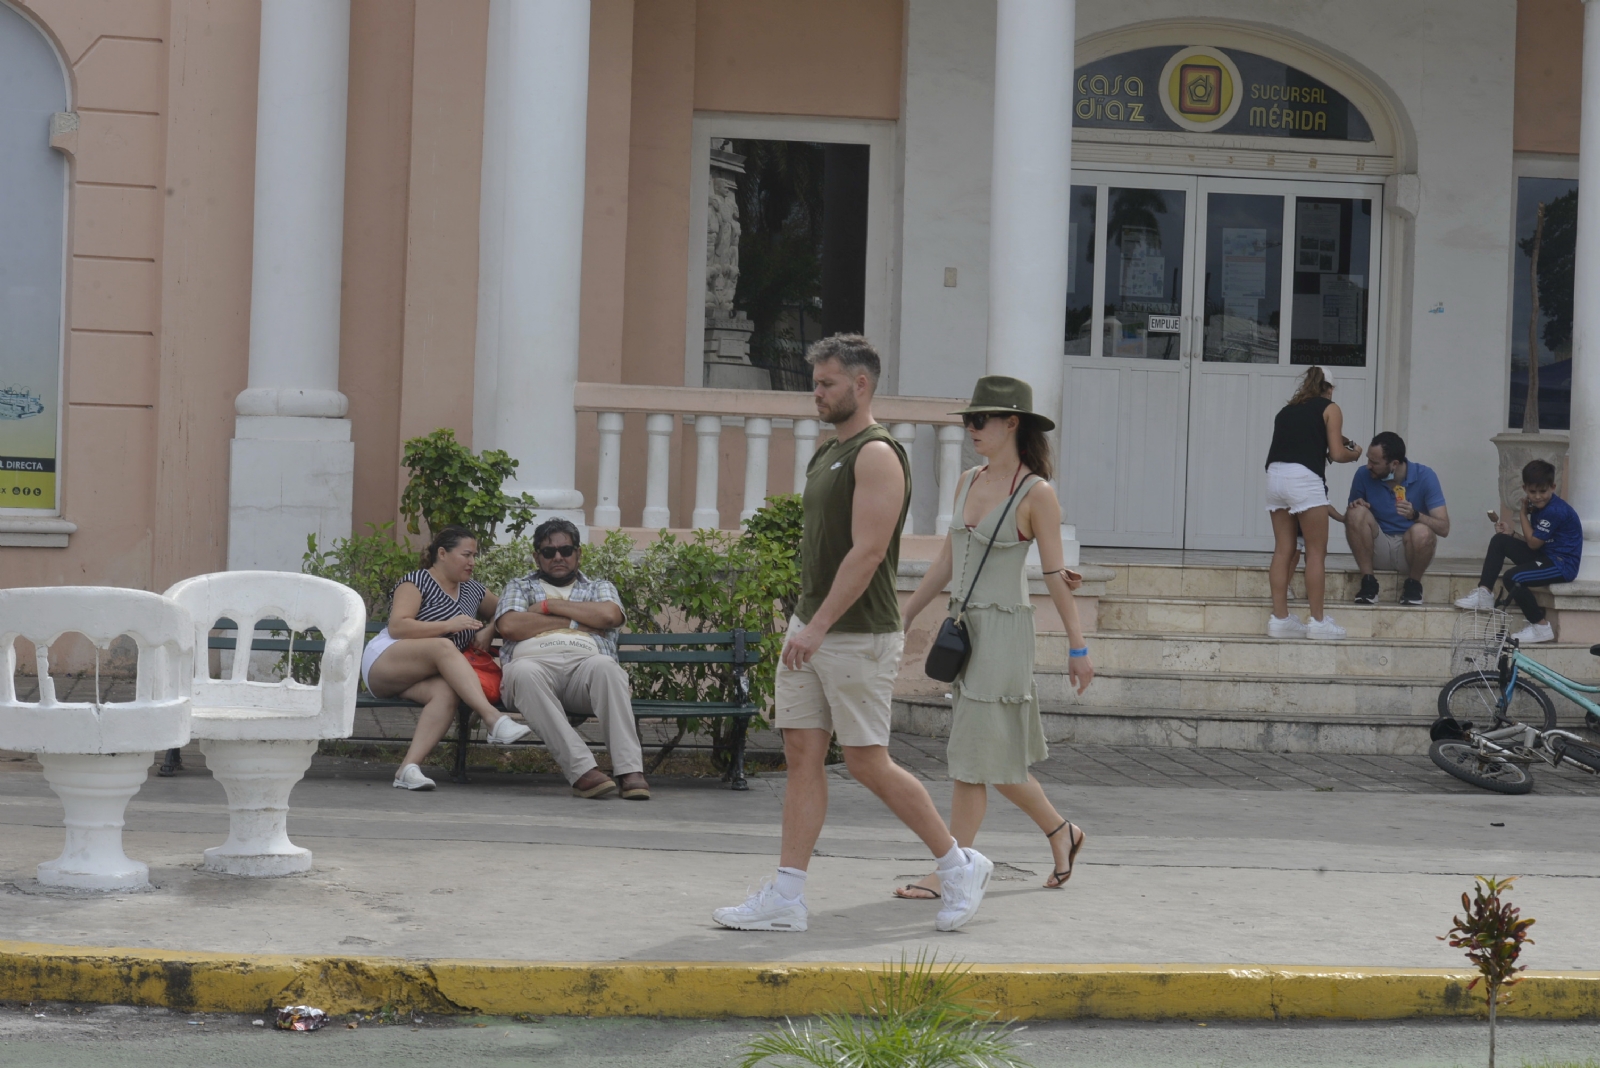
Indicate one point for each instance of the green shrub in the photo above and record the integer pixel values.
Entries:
(450, 486)
(370, 564)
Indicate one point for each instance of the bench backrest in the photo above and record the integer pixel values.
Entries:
(247, 600)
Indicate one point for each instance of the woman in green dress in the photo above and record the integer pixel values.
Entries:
(995, 731)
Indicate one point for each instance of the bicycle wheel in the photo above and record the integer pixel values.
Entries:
(1472, 696)
(1463, 761)
(1577, 753)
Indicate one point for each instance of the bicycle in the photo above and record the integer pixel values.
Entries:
(1497, 684)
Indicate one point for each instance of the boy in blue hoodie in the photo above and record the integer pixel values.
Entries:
(1544, 548)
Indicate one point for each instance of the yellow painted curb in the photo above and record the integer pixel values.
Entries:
(220, 982)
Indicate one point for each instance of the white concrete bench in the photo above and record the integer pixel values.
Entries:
(96, 755)
(258, 737)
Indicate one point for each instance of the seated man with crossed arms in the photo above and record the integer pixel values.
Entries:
(560, 654)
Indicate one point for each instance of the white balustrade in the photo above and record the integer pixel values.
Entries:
(805, 443)
(707, 464)
(757, 438)
(607, 509)
(950, 439)
(658, 428)
(906, 435)
(666, 407)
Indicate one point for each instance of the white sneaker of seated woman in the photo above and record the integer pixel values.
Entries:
(410, 777)
(1324, 629)
(507, 730)
(1534, 633)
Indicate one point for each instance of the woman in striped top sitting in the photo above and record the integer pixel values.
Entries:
(435, 615)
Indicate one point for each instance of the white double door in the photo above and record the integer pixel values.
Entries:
(1194, 306)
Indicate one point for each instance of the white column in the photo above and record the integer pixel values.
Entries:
(757, 439)
(1584, 454)
(607, 512)
(707, 465)
(658, 463)
(536, 98)
(950, 438)
(805, 443)
(1029, 198)
(906, 435)
(292, 463)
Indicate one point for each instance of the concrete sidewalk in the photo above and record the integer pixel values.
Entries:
(514, 868)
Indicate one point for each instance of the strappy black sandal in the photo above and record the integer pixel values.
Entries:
(1058, 879)
(912, 892)
(171, 764)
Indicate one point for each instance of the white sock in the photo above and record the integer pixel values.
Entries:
(953, 859)
(790, 883)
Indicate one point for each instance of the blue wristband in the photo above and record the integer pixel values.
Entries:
(1078, 652)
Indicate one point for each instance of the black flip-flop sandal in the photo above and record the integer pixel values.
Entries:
(1060, 877)
(933, 895)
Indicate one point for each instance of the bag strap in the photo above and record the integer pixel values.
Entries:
(996, 533)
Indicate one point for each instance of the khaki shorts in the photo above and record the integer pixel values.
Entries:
(1389, 553)
(846, 687)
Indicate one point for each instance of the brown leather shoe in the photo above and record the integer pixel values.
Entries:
(592, 784)
(634, 788)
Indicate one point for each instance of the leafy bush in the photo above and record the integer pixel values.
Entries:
(370, 564)
(921, 1014)
(499, 564)
(450, 486)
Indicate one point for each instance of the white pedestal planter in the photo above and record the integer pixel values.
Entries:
(96, 756)
(258, 776)
(95, 789)
(258, 737)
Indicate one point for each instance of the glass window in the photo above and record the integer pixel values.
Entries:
(1080, 271)
(1144, 272)
(1332, 256)
(1543, 328)
(786, 255)
(1244, 277)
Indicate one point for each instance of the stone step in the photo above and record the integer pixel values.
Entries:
(1216, 691)
(1128, 614)
(1440, 585)
(1276, 732)
(1252, 655)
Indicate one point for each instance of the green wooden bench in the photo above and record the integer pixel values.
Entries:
(737, 649)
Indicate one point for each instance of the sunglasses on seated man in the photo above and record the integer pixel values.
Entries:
(550, 552)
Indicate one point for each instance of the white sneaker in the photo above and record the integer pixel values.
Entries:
(1478, 600)
(764, 910)
(1324, 629)
(1534, 633)
(962, 891)
(410, 777)
(1287, 627)
(506, 730)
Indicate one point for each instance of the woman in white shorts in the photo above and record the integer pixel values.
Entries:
(436, 614)
(1306, 434)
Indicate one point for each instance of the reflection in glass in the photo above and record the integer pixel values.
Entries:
(1547, 327)
(1332, 264)
(1244, 277)
(1080, 272)
(1143, 272)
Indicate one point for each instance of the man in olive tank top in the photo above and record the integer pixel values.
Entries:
(842, 651)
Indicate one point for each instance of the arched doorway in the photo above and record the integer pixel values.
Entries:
(1227, 231)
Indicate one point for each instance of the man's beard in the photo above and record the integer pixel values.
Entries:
(841, 411)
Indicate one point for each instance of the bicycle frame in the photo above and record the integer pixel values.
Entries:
(1572, 691)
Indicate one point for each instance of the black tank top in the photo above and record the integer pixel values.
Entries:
(1299, 436)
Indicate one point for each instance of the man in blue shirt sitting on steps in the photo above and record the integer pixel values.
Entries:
(1546, 549)
(1395, 519)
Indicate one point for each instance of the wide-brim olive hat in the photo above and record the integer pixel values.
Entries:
(1005, 396)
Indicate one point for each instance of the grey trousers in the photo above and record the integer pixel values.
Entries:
(546, 686)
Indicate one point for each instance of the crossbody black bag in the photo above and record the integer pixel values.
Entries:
(952, 645)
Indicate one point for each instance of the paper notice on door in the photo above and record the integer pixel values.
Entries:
(1144, 268)
(1317, 236)
(1342, 298)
